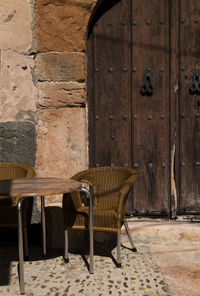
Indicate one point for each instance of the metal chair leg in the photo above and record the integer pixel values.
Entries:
(83, 189)
(20, 247)
(66, 255)
(26, 253)
(129, 236)
(119, 250)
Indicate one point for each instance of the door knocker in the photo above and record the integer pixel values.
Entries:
(147, 88)
(195, 87)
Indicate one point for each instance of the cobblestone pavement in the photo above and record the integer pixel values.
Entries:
(139, 274)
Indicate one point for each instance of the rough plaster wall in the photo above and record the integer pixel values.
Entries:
(17, 90)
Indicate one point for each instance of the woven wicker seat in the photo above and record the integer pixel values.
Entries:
(8, 205)
(111, 186)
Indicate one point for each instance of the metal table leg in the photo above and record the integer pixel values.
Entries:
(20, 247)
(83, 189)
(43, 225)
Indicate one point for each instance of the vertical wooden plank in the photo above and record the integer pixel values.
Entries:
(174, 104)
(111, 98)
(150, 136)
(189, 51)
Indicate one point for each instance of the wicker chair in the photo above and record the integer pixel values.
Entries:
(111, 186)
(8, 205)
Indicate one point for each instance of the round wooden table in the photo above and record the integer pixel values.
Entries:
(25, 187)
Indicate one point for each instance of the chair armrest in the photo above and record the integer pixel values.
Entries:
(83, 180)
(73, 201)
(87, 182)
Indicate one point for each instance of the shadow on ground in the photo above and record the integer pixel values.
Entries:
(104, 243)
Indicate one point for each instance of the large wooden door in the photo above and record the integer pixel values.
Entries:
(188, 163)
(142, 112)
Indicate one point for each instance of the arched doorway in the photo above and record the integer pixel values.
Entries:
(144, 104)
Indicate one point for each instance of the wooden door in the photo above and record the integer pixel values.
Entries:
(141, 114)
(188, 160)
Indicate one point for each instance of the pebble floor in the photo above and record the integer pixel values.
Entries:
(139, 275)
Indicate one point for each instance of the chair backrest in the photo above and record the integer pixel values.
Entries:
(15, 170)
(107, 182)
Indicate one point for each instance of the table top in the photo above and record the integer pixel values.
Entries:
(37, 186)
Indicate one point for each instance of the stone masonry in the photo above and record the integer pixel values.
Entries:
(43, 83)
(43, 103)
(60, 34)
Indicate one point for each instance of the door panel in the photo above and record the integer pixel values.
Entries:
(189, 121)
(150, 147)
(111, 142)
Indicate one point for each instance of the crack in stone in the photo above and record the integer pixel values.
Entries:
(52, 3)
(70, 89)
(78, 105)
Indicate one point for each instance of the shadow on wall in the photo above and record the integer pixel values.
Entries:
(99, 10)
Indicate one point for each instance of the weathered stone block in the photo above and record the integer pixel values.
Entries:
(18, 142)
(15, 22)
(17, 90)
(61, 94)
(62, 137)
(61, 25)
(56, 66)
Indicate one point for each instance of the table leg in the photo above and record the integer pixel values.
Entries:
(91, 228)
(43, 225)
(20, 247)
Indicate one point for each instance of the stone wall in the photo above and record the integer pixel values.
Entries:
(60, 32)
(43, 84)
(43, 104)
